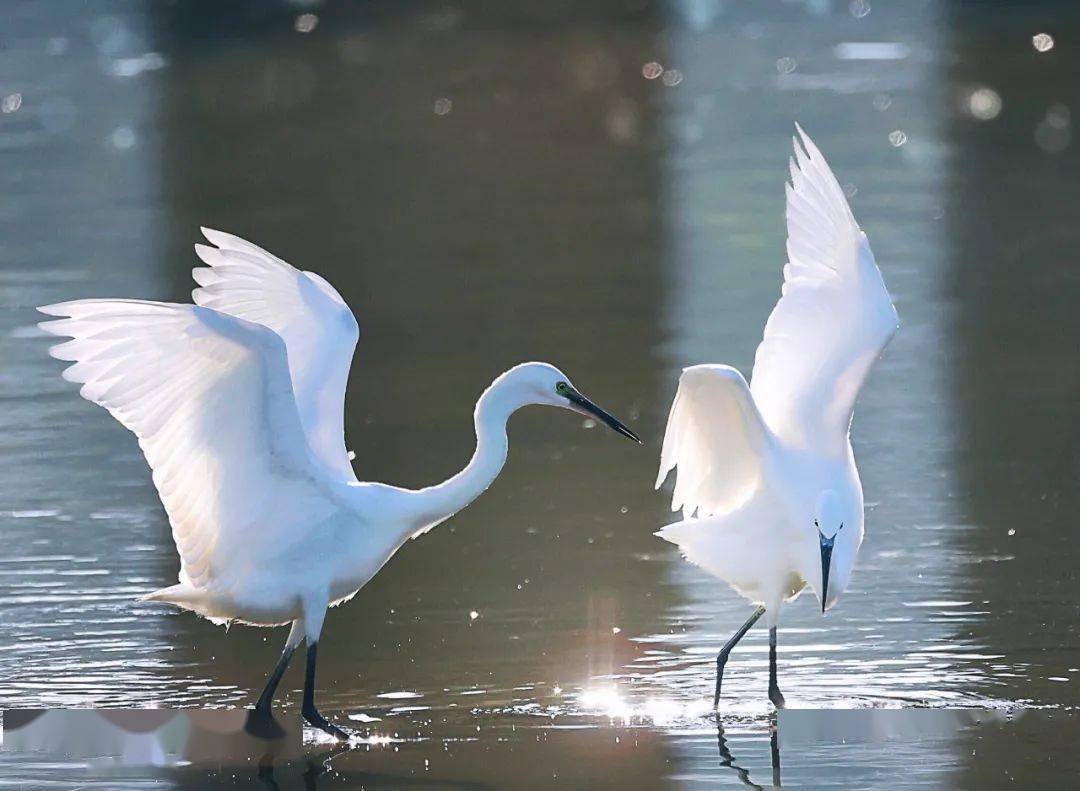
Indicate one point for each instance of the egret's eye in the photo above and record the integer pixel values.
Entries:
(562, 388)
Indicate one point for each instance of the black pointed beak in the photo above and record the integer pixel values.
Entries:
(826, 562)
(587, 407)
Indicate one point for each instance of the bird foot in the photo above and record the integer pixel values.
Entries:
(261, 724)
(313, 718)
(776, 697)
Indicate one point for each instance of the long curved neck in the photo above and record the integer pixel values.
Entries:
(439, 502)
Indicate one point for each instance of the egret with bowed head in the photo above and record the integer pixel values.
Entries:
(767, 484)
(238, 405)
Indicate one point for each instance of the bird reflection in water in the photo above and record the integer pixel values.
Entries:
(728, 760)
(317, 767)
(266, 775)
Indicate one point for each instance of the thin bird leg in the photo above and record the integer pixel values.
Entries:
(296, 634)
(774, 690)
(722, 657)
(311, 714)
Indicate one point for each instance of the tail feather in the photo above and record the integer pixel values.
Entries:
(718, 546)
(182, 595)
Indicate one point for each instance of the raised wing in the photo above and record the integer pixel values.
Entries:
(717, 439)
(833, 319)
(209, 397)
(319, 330)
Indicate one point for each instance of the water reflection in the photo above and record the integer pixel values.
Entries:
(917, 747)
(728, 760)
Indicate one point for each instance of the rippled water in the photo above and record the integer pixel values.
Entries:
(487, 186)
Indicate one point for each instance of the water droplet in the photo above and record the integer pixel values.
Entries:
(11, 103)
(651, 70)
(473, 615)
(1043, 42)
(122, 138)
(1012, 531)
(672, 77)
(786, 65)
(615, 630)
(588, 423)
(897, 138)
(443, 106)
(984, 104)
(305, 23)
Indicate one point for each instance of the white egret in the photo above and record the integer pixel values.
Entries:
(238, 405)
(770, 495)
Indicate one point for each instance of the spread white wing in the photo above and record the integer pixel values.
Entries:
(833, 319)
(210, 399)
(718, 440)
(319, 330)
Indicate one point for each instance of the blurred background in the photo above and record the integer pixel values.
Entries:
(598, 185)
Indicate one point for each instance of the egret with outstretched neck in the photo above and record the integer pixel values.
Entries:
(767, 484)
(238, 405)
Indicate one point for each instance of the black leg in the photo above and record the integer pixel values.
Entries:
(774, 690)
(267, 696)
(311, 714)
(261, 722)
(722, 657)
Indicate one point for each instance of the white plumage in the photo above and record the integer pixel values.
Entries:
(319, 330)
(238, 405)
(210, 399)
(766, 476)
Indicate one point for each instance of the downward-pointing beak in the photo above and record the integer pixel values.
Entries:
(826, 562)
(587, 407)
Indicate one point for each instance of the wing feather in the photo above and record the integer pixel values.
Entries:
(833, 319)
(210, 399)
(717, 439)
(319, 330)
